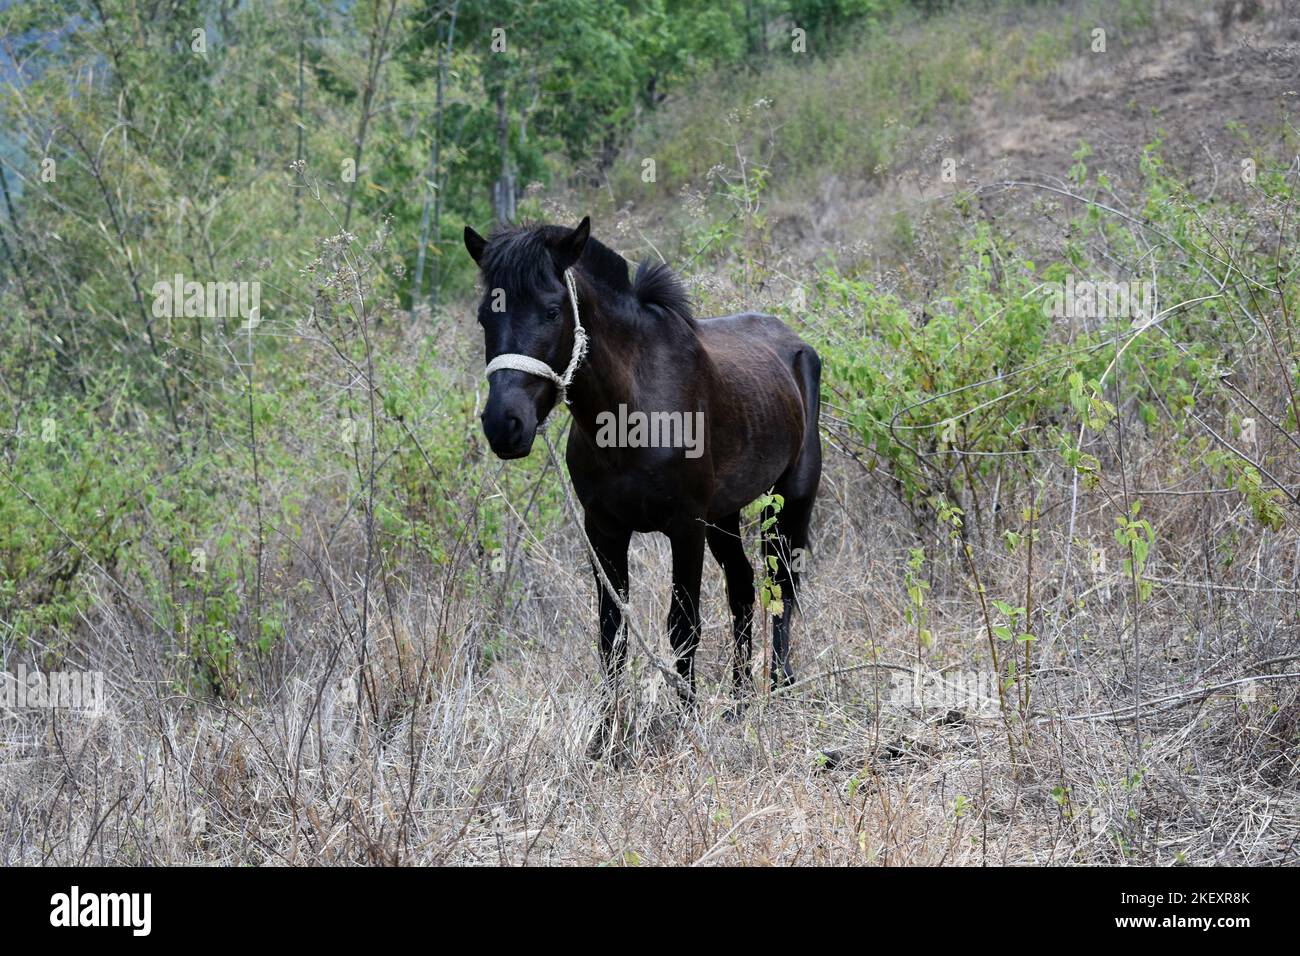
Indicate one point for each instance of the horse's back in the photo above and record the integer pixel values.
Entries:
(751, 345)
(748, 328)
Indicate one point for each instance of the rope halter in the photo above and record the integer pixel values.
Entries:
(526, 363)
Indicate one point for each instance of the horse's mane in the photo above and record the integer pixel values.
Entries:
(517, 258)
(658, 287)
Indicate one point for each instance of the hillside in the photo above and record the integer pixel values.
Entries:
(1050, 615)
(854, 148)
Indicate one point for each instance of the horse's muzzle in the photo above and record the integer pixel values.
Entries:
(509, 438)
(510, 419)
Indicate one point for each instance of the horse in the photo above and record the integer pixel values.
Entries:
(735, 399)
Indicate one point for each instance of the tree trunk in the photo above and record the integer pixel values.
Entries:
(298, 153)
(417, 289)
(378, 50)
(503, 191)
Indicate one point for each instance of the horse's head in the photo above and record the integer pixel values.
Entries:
(526, 312)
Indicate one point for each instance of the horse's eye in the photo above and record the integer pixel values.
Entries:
(553, 313)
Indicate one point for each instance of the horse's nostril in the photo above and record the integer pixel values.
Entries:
(515, 427)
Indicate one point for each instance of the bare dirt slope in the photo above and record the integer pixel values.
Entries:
(1214, 86)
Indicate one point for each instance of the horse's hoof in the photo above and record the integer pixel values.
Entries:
(735, 713)
(780, 680)
(827, 759)
(684, 710)
(598, 746)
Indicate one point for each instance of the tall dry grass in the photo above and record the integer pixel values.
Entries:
(425, 755)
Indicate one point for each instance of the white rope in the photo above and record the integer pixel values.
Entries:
(526, 363)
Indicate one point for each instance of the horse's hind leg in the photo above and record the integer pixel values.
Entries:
(788, 542)
(798, 489)
(727, 547)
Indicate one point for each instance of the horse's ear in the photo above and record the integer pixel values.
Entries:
(569, 249)
(475, 244)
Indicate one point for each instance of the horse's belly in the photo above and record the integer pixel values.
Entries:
(755, 439)
(735, 490)
(643, 499)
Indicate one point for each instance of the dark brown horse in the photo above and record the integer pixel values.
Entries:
(727, 411)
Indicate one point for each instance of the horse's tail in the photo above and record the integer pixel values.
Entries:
(808, 374)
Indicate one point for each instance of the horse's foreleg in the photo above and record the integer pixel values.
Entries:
(611, 551)
(684, 612)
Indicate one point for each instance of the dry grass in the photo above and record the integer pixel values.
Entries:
(474, 764)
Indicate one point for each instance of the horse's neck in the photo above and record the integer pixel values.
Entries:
(607, 375)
